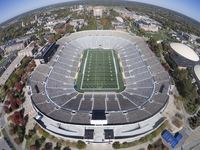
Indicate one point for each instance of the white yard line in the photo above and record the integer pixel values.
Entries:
(96, 67)
(100, 89)
(115, 69)
(103, 69)
(85, 63)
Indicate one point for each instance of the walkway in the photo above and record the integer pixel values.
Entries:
(31, 114)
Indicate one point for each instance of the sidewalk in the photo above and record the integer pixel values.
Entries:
(106, 146)
(31, 113)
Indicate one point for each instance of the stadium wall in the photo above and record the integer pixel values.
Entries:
(76, 132)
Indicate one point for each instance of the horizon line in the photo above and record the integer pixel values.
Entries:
(77, 1)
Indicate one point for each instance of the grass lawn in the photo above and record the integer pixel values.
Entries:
(99, 71)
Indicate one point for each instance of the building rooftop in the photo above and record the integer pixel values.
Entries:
(44, 50)
(185, 51)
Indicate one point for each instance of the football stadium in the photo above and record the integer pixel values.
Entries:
(100, 86)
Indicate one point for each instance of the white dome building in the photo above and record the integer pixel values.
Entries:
(196, 71)
(183, 55)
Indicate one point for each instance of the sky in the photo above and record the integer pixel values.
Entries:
(11, 8)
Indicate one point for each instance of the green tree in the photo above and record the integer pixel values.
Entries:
(157, 48)
(41, 41)
(58, 146)
(39, 142)
(80, 144)
(116, 145)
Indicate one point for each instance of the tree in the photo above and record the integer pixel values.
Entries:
(58, 146)
(33, 147)
(150, 147)
(25, 61)
(186, 89)
(6, 109)
(116, 145)
(68, 28)
(48, 146)
(31, 132)
(19, 71)
(18, 86)
(67, 148)
(17, 140)
(198, 40)
(41, 41)
(41, 131)
(18, 118)
(80, 144)
(54, 38)
(106, 22)
(9, 84)
(19, 101)
(40, 141)
(21, 132)
(165, 47)
(2, 93)
(13, 129)
(13, 104)
(15, 78)
(157, 48)
(25, 119)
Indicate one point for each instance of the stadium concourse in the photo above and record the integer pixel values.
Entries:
(100, 116)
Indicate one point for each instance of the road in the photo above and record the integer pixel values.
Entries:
(193, 142)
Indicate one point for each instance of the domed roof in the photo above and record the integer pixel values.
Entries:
(197, 71)
(185, 51)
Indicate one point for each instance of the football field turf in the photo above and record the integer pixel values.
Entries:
(99, 71)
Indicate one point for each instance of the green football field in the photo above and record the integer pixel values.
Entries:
(99, 71)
